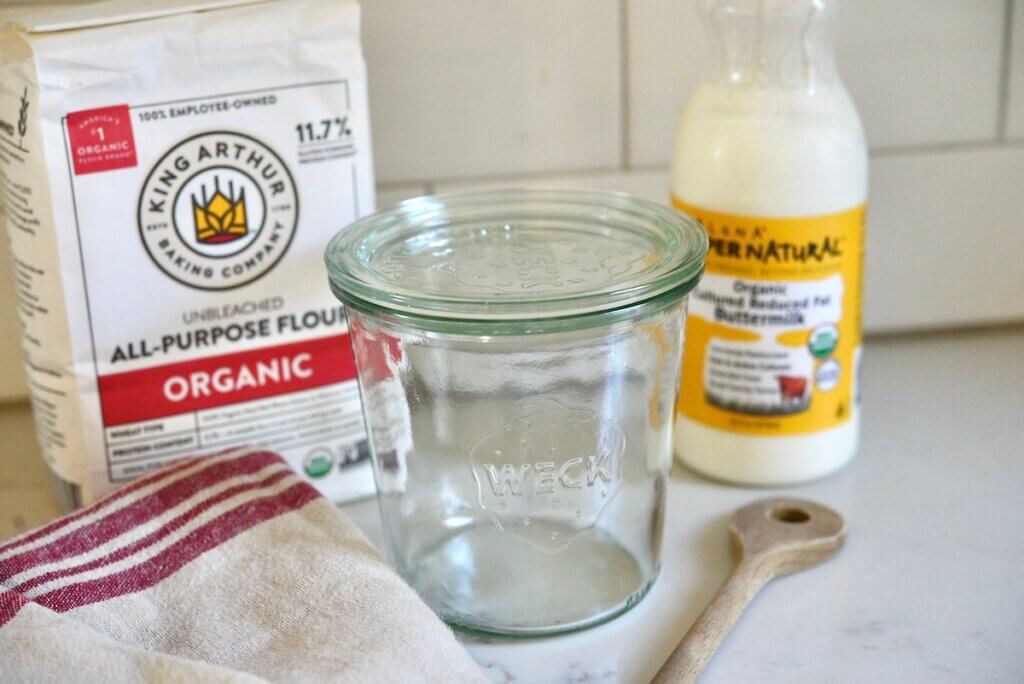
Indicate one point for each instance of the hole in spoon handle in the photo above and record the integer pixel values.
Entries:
(794, 516)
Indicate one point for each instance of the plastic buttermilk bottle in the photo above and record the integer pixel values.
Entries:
(770, 158)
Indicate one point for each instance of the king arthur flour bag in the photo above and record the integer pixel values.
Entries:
(171, 174)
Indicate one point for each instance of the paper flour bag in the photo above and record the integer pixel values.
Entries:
(171, 173)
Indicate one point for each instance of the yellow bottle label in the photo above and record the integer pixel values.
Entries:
(773, 331)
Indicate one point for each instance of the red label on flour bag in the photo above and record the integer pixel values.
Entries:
(192, 387)
(101, 139)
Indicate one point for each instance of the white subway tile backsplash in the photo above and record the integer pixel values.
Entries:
(665, 52)
(1015, 103)
(921, 71)
(461, 89)
(945, 245)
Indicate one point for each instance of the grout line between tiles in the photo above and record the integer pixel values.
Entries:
(624, 148)
(939, 330)
(387, 186)
(942, 148)
(1003, 111)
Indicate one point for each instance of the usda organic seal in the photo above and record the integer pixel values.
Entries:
(822, 340)
(218, 210)
(318, 462)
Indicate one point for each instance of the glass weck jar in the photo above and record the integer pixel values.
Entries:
(518, 355)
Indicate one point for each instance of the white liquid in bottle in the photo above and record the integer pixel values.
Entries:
(770, 157)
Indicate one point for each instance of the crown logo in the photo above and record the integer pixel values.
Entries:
(220, 217)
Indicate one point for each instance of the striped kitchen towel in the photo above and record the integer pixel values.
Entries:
(226, 568)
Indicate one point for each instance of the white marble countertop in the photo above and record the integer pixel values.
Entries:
(930, 585)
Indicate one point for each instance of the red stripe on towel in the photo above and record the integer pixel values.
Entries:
(169, 561)
(102, 503)
(136, 513)
(156, 535)
(10, 604)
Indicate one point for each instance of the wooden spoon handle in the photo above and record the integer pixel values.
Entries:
(707, 633)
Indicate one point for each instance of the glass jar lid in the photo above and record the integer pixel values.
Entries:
(516, 255)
